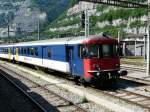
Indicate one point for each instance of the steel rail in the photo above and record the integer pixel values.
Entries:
(133, 68)
(4, 74)
(43, 86)
(138, 80)
(124, 99)
(108, 93)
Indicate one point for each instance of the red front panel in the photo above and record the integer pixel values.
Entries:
(109, 63)
(105, 64)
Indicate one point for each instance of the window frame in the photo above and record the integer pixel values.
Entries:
(49, 53)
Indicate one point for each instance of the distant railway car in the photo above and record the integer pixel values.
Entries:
(92, 59)
(6, 52)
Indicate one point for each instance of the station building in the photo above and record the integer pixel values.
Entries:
(134, 45)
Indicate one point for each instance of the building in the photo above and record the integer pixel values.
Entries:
(134, 45)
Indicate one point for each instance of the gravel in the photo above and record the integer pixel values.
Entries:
(11, 100)
(90, 106)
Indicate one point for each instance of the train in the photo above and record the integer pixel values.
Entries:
(90, 60)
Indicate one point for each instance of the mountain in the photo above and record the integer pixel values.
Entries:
(104, 18)
(53, 8)
(23, 15)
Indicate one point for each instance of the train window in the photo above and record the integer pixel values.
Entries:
(32, 51)
(107, 50)
(21, 50)
(36, 51)
(11, 50)
(28, 51)
(4, 50)
(25, 50)
(82, 51)
(93, 51)
(7, 50)
(49, 53)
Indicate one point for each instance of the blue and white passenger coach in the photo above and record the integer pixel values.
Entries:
(93, 58)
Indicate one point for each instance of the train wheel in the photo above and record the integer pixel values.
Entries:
(114, 81)
(76, 79)
(84, 83)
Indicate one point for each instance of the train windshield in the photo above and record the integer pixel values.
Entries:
(93, 51)
(109, 50)
(89, 51)
(98, 51)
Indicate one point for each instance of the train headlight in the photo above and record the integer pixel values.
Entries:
(117, 65)
(96, 67)
(98, 74)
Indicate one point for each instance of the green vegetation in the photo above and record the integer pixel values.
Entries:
(101, 8)
(53, 8)
(119, 14)
(110, 30)
(137, 23)
(64, 23)
(138, 61)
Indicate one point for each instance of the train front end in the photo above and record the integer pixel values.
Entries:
(101, 60)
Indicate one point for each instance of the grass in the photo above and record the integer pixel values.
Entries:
(134, 61)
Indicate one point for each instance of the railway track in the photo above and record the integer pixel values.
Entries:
(138, 80)
(129, 68)
(127, 96)
(143, 80)
(35, 106)
(131, 97)
(57, 101)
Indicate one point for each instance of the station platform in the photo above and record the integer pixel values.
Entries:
(138, 72)
(139, 75)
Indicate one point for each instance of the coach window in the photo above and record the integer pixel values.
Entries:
(21, 50)
(28, 51)
(11, 50)
(6, 50)
(49, 53)
(25, 50)
(32, 51)
(82, 51)
(36, 51)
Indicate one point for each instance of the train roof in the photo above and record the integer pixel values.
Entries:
(69, 40)
(6, 45)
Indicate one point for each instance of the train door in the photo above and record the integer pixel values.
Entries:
(17, 54)
(9, 54)
(70, 59)
(46, 56)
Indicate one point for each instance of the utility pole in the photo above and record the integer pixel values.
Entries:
(8, 30)
(118, 35)
(145, 37)
(148, 41)
(86, 23)
(38, 29)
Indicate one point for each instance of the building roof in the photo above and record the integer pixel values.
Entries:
(140, 35)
